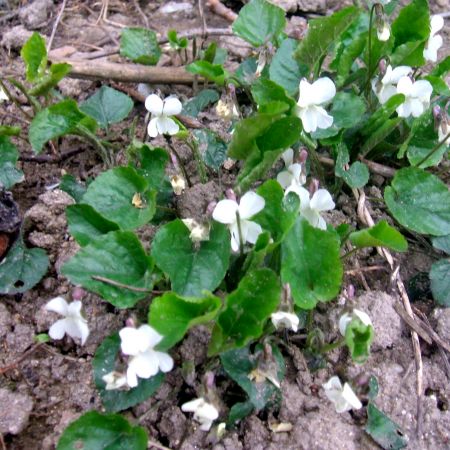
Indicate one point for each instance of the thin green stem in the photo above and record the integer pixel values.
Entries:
(201, 168)
(369, 50)
(350, 253)
(104, 153)
(328, 347)
(179, 160)
(241, 241)
(433, 150)
(32, 101)
(15, 101)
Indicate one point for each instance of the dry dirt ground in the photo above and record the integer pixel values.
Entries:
(52, 385)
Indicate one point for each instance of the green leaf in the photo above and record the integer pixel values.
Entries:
(192, 269)
(285, 70)
(239, 365)
(9, 174)
(212, 147)
(153, 162)
(6, 130)
(280, 135)
(259, 22)
(51, 79)
(279, 213)
(442, 68)
(57, 120)
(238, 412)
(409, 54)
(86, 224)
(380, 235)
(172, 315)
(22, 268)
(116, 400)
(419, 201)
(379, 135)
(204, 98)
(95, 431)
(381, 115)
(357, 174)
(245, 73)
(383, 430)
(212, 72)
(246, 310)
(265, 91)
(343, 102)
(440, 281)
(70, 185)
(113, 192)
(358, 338)
(412, 23)
(322, 33)
(439, 85)
(417, 153)
(34, 55)
(140, 45)
(107, 106)
(117, 256)
(442, 243)
(311, 264)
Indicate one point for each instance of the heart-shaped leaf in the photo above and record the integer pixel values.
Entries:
(9, 174)
(192, 269)
(119, 259)
(140, 45)
(95, 431)
(311, 264)
(440, 281)
(122, 196)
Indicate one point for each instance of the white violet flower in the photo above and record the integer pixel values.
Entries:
(145, 361)
(344, 398)
(294, 173)
(227, 211)
(311, 207)
(160, 122)
(282, 319)
(73, 324)
(435, 40)
(115, 380)
(309, 105)
(417, 96)
(389, 82)
(346, 318)
(384, 32)
(205, 413)
(198, 232)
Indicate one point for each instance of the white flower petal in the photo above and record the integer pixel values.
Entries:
(285, 179)
(3, 95)
(253, 230)
(251, 203)
(74, 309)
(284, 319)
(296, 171)
(132, 380)
(154, 104)
(58, 329)
(305, 94)
(225, 211)
(436, 23)
(206, 425)
(165, 361)
(422, 89)
(393, 76)
(58, 305)
(172, 106)
(83, 332)
(323, 90)
(350, 397)
(404, 86)
(192, 405)
(363, 317)
(386, 92)
(404, 110)
(313, 218)
(166, 125)
(302, 193)
(417, 107)
(130, 339)
(309, 119)
(235, 242)
(322, 201)
(152, 128)
(324, 120)
(321, 224)
(288, 157)
(344, 320)
(145, 365)
(148, 337)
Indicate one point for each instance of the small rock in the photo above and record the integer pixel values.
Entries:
(174, 7)
(15, 38)
(5, 321)
(287, 5)
(442, 316)
(35, 14)
(70, 87)
(14, 412)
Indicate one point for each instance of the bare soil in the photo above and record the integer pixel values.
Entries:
(50, 385)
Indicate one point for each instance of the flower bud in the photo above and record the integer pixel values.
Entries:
(78, 293)
(313, 186)
(230, 195)
(303, 156)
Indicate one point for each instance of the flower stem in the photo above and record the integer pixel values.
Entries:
(328, 347)
(241, 241)
(433, 150)
(179, 160)
(14, 100)
(369, 49)
(193, 145)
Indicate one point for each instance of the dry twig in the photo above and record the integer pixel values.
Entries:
(221, 10)
(55, 25)
(364, 215)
